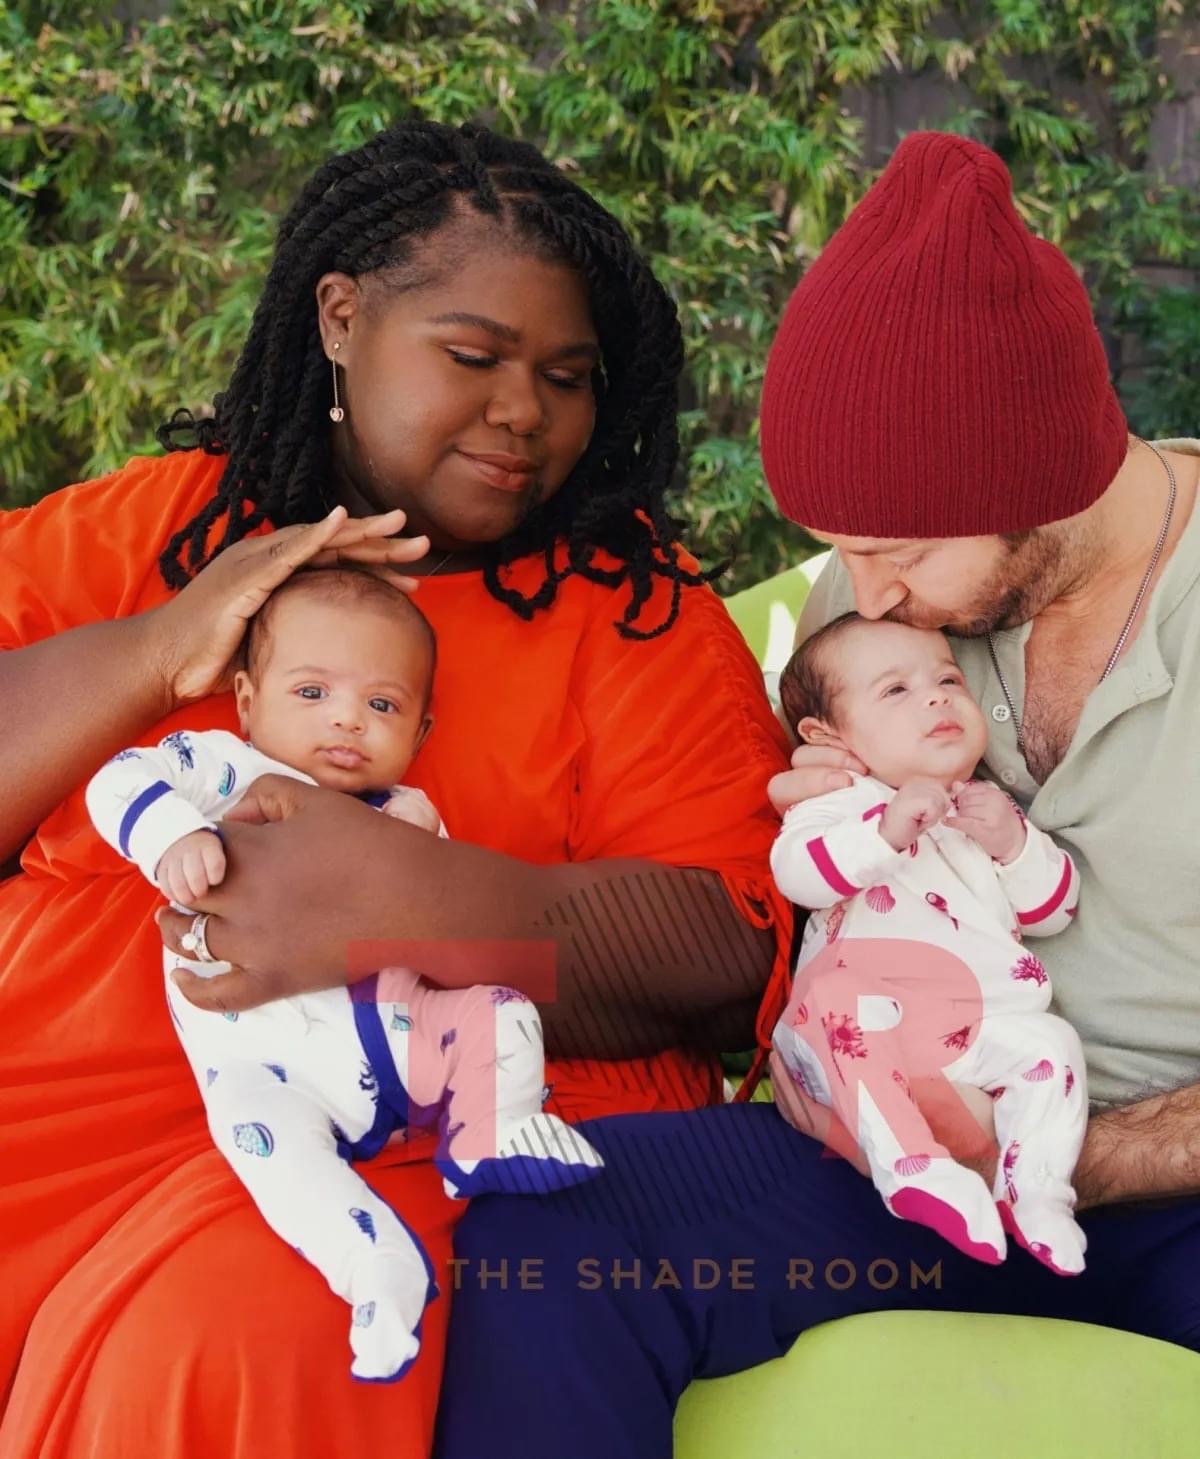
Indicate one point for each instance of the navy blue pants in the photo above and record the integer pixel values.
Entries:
(711, 1241)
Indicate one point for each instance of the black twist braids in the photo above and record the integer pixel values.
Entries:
(364, 211)
(592, 522)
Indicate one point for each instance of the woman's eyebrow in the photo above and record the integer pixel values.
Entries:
(480, 321)
(584, 348)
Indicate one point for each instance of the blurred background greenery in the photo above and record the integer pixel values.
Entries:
(147, 150)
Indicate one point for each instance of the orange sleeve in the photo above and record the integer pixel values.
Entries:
(84, 554)
(680, 744)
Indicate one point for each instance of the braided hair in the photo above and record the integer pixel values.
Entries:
(367, 211)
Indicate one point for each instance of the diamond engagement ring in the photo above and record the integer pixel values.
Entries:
(193, 940)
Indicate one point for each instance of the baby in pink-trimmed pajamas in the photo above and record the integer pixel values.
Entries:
(922, 883)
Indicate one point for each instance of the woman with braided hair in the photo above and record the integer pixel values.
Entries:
(456, 341)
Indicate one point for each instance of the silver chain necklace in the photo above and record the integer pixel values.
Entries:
(1133, 612)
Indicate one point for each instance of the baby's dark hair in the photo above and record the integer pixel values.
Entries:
(808, 686)
(366, 213)
(341, 582)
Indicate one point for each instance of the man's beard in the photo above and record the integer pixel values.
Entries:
(1027, 578)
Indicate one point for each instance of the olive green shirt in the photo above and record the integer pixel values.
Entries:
(1125, 802)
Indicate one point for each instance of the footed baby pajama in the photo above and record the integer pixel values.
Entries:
(296, 1089)
(912, 967)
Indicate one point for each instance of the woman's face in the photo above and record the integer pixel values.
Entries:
(468, 399)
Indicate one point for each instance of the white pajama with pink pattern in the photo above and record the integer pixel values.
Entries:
(912, 969)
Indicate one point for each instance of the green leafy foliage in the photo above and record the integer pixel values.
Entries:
(144, 163)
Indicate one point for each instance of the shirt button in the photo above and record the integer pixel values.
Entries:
(1009, 777)
(1001, 713)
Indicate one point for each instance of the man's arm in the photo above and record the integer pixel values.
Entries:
(1142, 1151)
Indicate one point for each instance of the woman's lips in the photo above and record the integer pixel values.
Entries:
(506, 473)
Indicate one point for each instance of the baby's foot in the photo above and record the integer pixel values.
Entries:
(390, 1294)
(539, 1155)
(1048, 1231)
(937, 1192)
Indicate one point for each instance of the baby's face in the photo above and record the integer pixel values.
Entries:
(339, 692)
(903, 705)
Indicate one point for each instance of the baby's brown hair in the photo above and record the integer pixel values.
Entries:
(808, 686)
(347, 581)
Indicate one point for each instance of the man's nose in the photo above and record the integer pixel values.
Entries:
(876, 591)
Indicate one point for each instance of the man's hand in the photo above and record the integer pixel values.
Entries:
(960, 1117)
(986, 814)
(190, 866)
(920, 803)
(816, 770)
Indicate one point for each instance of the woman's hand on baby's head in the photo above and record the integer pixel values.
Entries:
(918, 804)
(191, 866)
(201, 629)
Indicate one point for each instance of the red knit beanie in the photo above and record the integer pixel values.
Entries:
(937, 372)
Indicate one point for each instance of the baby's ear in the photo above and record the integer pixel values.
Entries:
(422, 732)
(243, 694)
(813, 731)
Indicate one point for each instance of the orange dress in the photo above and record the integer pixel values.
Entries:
(148, 1312)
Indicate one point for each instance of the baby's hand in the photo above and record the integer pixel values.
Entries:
(917, 805)
(416, 809)
(189, 866)
(986, 814)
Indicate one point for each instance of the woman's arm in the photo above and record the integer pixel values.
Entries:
(65, 705)
(624, 957)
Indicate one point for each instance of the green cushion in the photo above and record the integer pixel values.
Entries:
(923, 1385)
(767, 613)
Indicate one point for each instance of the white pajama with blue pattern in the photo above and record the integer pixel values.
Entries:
(296, 1089)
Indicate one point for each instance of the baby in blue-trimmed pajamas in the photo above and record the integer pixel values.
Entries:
(336, 691)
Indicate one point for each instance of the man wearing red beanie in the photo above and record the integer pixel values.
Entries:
(1059, 550)
(937, 408)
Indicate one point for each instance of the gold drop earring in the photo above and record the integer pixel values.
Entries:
(336, 412)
